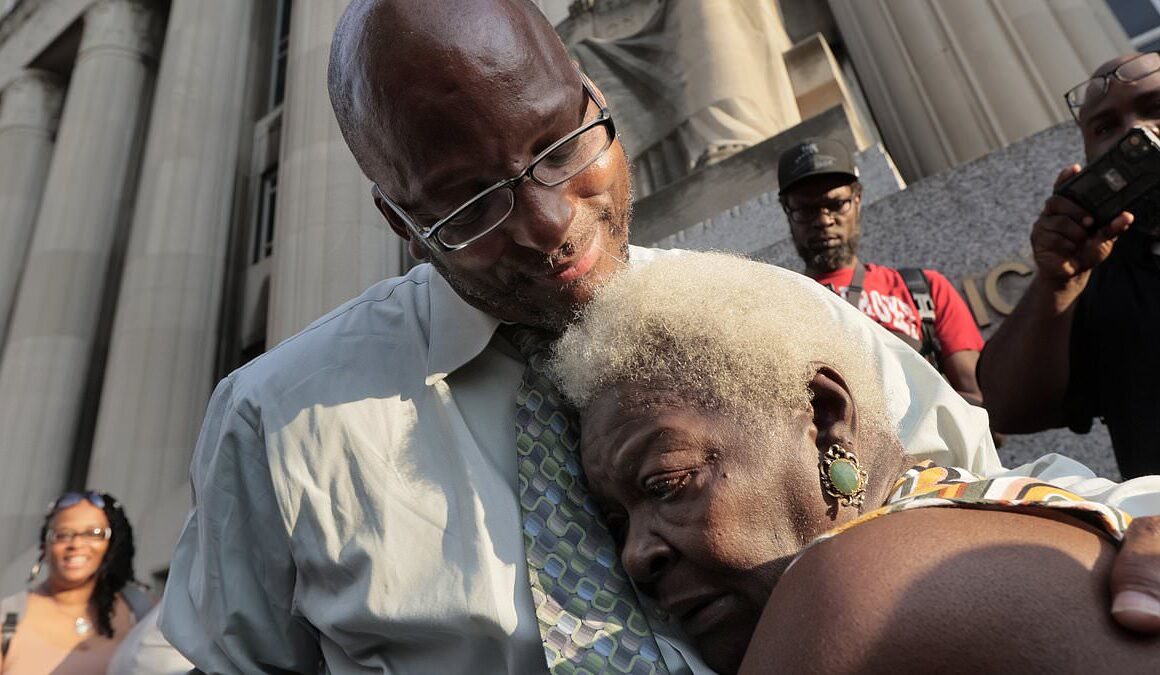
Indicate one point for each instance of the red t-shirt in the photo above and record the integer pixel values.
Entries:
(886, 300)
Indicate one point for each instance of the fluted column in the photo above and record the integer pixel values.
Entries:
(29, 112)
(329, 241)
(161, 354)
(51, 339)
(949, 81)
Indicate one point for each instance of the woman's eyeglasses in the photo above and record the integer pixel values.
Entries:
(93, 535)
(73, 498)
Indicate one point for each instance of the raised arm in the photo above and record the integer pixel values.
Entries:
(228, 600)
(1024, 368)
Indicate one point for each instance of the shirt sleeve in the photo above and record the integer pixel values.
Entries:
(1138, 496)
(145, 652)
(954, 325)
(228, 604)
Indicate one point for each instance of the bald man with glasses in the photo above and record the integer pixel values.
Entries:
(1082, 342)
(397, 488)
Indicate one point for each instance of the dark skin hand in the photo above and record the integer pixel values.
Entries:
(960, 371)
(1030, 350)
(1135, 580)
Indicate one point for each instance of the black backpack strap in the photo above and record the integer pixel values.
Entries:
(919, 288)
(12, 607)
(857, 282)
(10, 620)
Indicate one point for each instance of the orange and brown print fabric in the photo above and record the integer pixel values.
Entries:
(926, 485)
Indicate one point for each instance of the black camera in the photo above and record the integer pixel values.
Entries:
(1125, 178)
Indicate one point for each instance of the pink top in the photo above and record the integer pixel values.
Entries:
(46, 641)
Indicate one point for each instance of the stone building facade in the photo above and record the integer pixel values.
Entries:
(175, 195)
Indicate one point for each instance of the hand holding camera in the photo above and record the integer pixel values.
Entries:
(1066, 239)
(1091, 207)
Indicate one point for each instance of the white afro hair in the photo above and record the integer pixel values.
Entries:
(718, 331)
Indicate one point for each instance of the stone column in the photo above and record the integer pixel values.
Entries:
(950, 81)
(329, 240)
(51, 343)
(161, 354)
(29, 112)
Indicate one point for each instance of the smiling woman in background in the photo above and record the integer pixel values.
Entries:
(73, 621)
(734, 435)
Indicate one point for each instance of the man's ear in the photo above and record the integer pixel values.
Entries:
(414, 246)
(835, 415)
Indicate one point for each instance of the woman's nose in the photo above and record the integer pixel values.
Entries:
(646, 556)
(541, 218)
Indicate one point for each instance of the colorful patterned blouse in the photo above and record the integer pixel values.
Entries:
(926, 485)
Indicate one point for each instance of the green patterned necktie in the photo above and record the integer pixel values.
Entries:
(588, 613)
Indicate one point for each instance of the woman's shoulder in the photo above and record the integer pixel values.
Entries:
(14, 601)
(919, 590)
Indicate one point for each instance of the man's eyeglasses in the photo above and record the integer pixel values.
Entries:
(89, 536)
(556, 164)
(804, 215)
(1092, 90)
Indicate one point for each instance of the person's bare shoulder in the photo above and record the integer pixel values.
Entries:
(946, 589)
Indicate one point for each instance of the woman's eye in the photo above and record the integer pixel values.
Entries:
(663, 488)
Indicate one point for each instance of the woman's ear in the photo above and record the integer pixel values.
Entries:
(835, 414)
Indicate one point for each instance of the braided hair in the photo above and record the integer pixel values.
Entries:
(116, 568)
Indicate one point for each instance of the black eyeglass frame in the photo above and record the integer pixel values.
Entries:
(430, 235)
(106, 533)
(1070, 97)
(842, 210)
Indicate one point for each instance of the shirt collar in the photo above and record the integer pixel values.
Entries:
(460, 332)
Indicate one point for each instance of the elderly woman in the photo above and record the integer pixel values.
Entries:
(731, 427)
(73, 620)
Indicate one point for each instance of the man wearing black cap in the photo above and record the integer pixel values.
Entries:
(822, 199)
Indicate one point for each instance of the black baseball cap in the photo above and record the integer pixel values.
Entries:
(814, 157)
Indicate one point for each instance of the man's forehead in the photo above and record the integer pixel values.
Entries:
(1119, 95)
(459, 138)
(821, 187)
(429, 83)
(1110, 65)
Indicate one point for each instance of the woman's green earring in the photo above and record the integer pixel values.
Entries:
(842, 476)
(35, 572)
